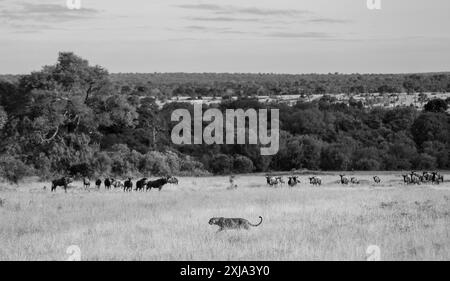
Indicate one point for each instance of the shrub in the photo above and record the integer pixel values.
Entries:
(436, 105)
(425, 162)
(154, 163)
(243, 164)
(367, 165)
(102, 163)
(333, 158)
(12, 170)
(221, 164)
(81, 170)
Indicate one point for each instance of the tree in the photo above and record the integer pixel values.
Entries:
(11, 169)
(3, 117)
(431, 127)
(334, 158)
(242, 164)
(400, 119)
(436, 105)
(425, 162)
(439, 151)
(62, 96)
(221, 164)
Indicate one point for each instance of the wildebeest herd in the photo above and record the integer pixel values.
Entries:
(412, 178)
(109, 183)
(146, 185)
(425, 177)
(292, 181)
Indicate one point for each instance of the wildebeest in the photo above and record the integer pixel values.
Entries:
(415, 178)
(293, 181)
(98, 183)
(427, 176)
(128, 185)
(437, 178)
(271, 180)
(63, 182)
(157, 184)
(376, 179)
(406, 179)
(315, 181)
(354, 180)
(344, 179)
(86, 183)
(412, 178)
(117, 184)
(280, 180)
(108, 182)
(173, 180)
(140, 184)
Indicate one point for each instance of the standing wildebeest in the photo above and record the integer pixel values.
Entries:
(174, 180)
(344, 179)
(117, 184)
(271, 180)
(427, 176)
(407, 179)
(436, 178)
(315, 181)
(140, 184)
(415, 178)
(354, 180)
(158, 184)
(98, 183)
(440, 178)
(376, 179)
(108, 183)
(128, 185)
(293, 181)
(280, 180)
(63, 182)
(86, 183)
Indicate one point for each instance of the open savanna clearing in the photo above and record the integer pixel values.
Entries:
(331, 222)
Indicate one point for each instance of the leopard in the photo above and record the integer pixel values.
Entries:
(233, 223)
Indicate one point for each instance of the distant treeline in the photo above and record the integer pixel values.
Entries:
(166, 85)
(73, 118)
(241, 84)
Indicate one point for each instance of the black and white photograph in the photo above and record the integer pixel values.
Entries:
(230, 135)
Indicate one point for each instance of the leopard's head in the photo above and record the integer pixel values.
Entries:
(214, 221)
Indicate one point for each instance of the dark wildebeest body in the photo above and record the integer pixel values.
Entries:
(437, 178)
(128, 185)
(63, 182)
(140, 184)
(344, 179)
(293, 181)
(158, 184)
(376, 179)
(108, 183)
(98, 183)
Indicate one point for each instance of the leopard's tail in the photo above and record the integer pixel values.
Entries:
(258, 223)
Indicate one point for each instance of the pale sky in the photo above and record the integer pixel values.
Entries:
(281, 36)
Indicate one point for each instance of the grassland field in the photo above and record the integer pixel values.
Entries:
(331, 222)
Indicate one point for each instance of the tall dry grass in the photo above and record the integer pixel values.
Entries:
(303, 223)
